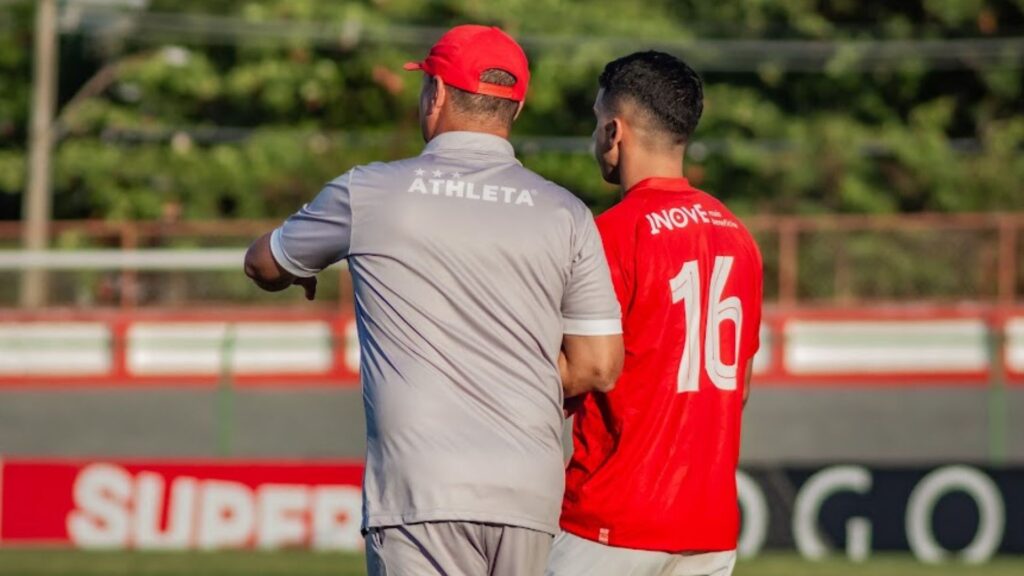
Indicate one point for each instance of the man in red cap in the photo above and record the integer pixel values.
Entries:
(483, 298)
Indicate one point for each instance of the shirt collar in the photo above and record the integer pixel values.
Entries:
(663, 184)
(478, 142)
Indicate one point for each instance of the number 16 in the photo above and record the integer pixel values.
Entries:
(686, 287)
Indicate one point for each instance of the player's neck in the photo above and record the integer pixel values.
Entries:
(456, 123)
(638, 168)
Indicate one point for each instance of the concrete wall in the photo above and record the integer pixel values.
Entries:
(905, 425)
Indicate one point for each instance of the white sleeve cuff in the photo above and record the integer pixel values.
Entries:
(282, 259)
(606, 327)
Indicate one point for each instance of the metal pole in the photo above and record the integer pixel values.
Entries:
(1007, 262)
(997, 408)
(225, 411)
(788, 261)
(36, 202)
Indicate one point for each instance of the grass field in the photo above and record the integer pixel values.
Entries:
(75, 563)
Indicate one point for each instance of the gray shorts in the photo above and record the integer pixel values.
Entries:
(575, 556)
(456, 549)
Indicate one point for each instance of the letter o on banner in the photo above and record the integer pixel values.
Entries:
(981, 489)
(755, 516)
(813, 494)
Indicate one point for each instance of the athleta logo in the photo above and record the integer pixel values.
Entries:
(679, 218)
(454, 187)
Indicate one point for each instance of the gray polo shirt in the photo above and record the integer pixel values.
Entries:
(467, 269)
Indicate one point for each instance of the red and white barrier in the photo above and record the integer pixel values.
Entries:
(1015, 346)
(865, 347)
(195, 348)
(893, 349)
(210, 348)
(38, 348)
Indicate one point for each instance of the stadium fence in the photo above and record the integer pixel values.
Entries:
(820, 260)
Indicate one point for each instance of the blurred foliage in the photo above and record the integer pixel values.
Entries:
(898, 265)
(253, 128)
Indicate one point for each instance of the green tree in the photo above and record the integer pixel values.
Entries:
(250, 124)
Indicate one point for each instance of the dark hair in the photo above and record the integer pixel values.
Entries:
(662, 85)
(501, 109)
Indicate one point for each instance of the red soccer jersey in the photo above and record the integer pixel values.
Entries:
(654, 463)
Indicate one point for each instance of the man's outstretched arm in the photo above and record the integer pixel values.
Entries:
(310, 240)
(266, 273)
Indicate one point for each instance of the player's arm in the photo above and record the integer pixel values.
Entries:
(266, 273)
(754, 316)
(312, 239)
(746, 384)
(592, 350)
(590, 363)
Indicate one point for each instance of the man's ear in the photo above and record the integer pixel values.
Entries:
(439, 95)
(611, 136)
(613, 132)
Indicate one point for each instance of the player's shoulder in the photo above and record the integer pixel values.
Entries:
(721, 213)
(623, 215)
(382, 172)
(555, 195)
(531, 179)
(620, 211)
(381, 181)
(719, 206)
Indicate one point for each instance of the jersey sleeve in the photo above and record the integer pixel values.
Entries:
(589, 306)
(619, 249)
(319, 234)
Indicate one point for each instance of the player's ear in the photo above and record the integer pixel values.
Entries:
(612, 139)
(439, 95)
(613, 132)
(607, 138)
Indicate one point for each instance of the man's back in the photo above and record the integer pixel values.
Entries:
(482, 293)
(655, 459)
(464, 265)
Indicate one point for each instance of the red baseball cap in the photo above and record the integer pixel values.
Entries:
(465, 52)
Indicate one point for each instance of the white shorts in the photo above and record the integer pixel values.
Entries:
(575, 556)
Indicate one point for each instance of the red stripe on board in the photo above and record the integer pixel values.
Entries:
(341, 375)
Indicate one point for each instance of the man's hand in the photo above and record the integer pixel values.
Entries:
(268, 274)
(308, 285)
